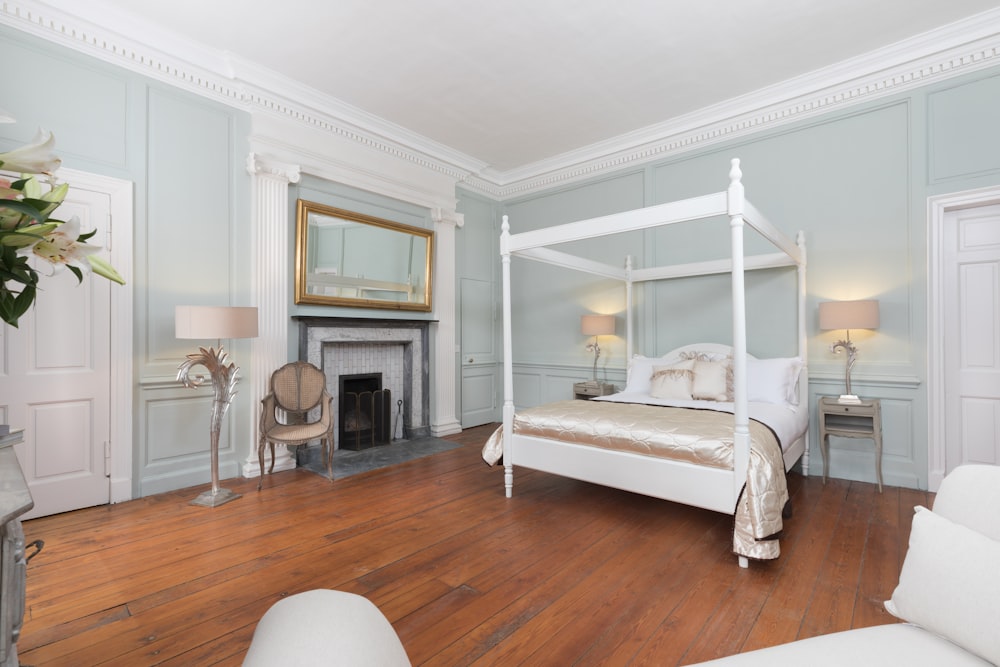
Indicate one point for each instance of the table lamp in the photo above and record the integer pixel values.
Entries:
(848, 315)
(206, 322)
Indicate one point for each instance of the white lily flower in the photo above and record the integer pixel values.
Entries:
(35, 158)
(60, 247)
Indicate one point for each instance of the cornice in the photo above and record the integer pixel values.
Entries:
(961, 47)
(957, 49)
(226, 78)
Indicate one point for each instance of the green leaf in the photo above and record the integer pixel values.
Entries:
(23, 301)
(21, 207)
(19, 238)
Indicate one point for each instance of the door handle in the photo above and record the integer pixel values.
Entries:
(37, 545)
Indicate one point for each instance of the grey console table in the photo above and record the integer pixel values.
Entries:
(15, 500)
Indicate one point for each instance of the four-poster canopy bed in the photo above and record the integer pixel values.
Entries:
(750, 421)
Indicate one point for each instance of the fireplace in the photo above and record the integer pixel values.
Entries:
(398, 349)
(365, 411)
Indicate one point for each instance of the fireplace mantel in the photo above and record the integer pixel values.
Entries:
(340, 345)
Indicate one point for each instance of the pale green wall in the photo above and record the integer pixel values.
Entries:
(185, 155)
(856, 181)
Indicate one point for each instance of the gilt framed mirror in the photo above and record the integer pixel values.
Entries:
(344, 258)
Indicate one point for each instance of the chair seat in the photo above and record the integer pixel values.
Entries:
(291, 432)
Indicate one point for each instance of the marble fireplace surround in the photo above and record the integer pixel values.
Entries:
(399, 349)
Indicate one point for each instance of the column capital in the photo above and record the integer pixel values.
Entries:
(446, 216)
(259, 165)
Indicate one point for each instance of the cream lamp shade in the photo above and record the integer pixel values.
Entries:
(597, 325)
(848, 314)
(204, 322)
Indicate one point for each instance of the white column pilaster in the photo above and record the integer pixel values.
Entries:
(270, 288)
(443, 418)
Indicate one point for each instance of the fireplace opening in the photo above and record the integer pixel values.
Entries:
(365, 411)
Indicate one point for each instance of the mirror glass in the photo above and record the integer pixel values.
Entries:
(344, 258)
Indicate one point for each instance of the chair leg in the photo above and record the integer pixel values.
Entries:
(260, 462)
(271, 470)
(329, 458)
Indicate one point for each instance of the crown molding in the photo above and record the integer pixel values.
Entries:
(958, 48)
(223, 77)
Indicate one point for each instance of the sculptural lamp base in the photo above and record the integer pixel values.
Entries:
(214, 497)
(214, 322)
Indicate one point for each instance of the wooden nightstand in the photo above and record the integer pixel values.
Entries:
(850, 420)
(587, 390)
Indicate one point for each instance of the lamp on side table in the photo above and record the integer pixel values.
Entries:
(848, 315)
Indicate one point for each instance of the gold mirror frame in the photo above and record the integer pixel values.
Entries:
(344, 258)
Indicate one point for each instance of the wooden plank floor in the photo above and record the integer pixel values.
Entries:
(564, 573)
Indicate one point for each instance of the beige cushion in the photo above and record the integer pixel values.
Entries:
(970, 496)
(711, 381)
(673, 382)
(950, 584)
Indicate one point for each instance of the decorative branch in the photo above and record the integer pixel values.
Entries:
(852, 352)
(596, 349)
(223, 376)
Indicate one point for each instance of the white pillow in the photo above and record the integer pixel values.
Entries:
(673, 382)
(773, 380)
(950, 584)
(711, 381)
(640, 373)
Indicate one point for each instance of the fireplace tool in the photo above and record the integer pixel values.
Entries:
(399, 413)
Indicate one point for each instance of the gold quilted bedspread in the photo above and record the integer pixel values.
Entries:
(702, 437)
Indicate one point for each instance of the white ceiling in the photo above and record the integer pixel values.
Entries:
(513, 85)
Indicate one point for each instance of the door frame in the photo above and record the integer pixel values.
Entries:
(938, 207)
(119, 247)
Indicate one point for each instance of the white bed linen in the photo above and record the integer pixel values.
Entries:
(788, 422)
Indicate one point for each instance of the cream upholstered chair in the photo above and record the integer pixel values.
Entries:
(322, 628)
(296, 388)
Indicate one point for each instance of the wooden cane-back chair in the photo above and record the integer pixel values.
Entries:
(296, 388)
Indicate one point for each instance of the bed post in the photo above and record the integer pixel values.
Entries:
(741, 427)
(508, 364)
(628, 313)
(800, 241)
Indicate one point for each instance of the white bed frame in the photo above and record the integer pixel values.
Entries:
(686, 483)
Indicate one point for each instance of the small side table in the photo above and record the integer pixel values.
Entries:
(850, 420)
(587, 390)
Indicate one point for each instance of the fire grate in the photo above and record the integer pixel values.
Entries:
(365, 411)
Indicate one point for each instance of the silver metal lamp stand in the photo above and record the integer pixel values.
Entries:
(596, 349)
(223, 376)
(852, 352)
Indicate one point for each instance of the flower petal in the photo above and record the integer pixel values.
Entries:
(34, 158)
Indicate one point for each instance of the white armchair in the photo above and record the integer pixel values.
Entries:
(948, 592)
(322, 628)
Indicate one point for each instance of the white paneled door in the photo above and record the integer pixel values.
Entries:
(479, 367)
(57, 378)
(971, 291)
